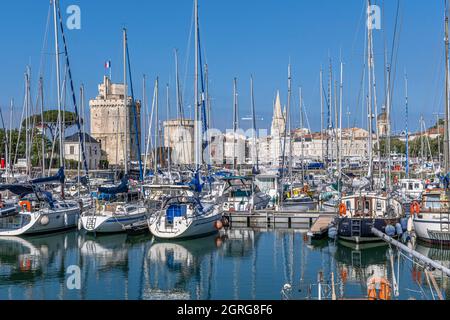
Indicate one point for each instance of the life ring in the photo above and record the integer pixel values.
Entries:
(379, 289)
(415, 208)
(25, 204)
(342, 209)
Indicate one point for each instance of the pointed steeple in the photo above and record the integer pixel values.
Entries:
(278, 121)
(277, 112)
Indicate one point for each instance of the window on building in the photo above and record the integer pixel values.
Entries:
(72, 150)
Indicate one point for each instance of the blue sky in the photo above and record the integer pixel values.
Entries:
(239, 38)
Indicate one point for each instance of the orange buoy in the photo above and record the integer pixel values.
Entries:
(342, 209)
(415, 208)
(379, 289)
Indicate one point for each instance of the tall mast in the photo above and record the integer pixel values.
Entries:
(10, 137)
(302, 137)
(27, 121)
(330, 124)
(197, 126)
(341, 93)
(144, 106)
(125, 98)
(288, 120)
(255, 135)
(155, 163)
(407, 130)
(58, 86)
(447, 97)
(322, 115)
(369, 99)
(388, 138)
(168, 129)
(235, 121)
(41, 94)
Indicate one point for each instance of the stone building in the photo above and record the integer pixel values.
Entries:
(109, 126)
(72, 150)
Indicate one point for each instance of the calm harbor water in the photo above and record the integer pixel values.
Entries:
(240, 264)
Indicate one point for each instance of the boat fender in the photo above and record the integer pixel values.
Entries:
(66, 219)
(404, 223)
(399, 229)
(218, 225)
(390, 230)
(80, 224)
(45, 220)
(410, 225)
(225, 222)
(332, 233)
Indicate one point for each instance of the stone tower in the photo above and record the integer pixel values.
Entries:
(108, 123)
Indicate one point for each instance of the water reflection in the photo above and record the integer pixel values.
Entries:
(441, 255)
(237, 264)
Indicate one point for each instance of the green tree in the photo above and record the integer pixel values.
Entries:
(51, 121)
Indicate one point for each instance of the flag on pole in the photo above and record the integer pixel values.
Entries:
(108, 64)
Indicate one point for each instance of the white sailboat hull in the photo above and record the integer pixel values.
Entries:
(111, 224)
(430, 230)
(185, 228)
(43, 221)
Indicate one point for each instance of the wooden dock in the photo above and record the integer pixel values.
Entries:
(276, 219)
(320, 228)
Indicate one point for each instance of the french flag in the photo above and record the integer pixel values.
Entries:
(108, 64)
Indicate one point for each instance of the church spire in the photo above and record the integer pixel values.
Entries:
(278, 121)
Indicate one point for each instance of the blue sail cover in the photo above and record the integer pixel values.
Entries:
(18, 189)
(122, 188)
(195, 184)
(60, 177)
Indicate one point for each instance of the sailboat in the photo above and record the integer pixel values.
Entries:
(35, 211)
(184, 217)
(366, 209)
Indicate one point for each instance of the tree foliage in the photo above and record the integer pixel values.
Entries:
(51, 120)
